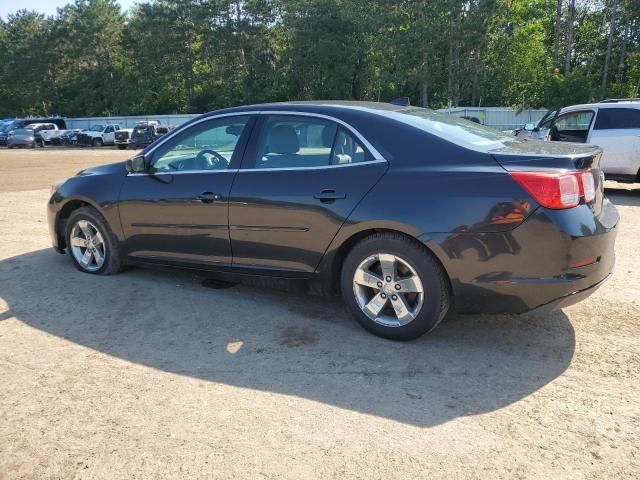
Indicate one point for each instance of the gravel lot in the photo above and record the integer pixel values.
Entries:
(150, 375)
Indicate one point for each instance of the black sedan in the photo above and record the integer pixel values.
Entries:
(402, 211)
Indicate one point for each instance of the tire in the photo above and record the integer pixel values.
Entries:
(416, 269)
(122, 147)
(97, 142)
(34, 144)
(89, 217)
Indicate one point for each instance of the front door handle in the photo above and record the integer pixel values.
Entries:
(329, 195)
(208, 197)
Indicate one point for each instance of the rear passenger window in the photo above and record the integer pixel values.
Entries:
(617, 118)
(288, 141)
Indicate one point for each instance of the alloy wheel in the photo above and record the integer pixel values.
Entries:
(388, 290)
(87, 246)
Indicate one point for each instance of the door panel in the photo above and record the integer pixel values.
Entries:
(165, 220)
(301, 179)
(277, 223)
(178, 211)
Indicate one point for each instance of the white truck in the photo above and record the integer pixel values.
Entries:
(123, 138)
(98, 135)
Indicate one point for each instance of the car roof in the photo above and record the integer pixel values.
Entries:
(318, 106)
(623, 104)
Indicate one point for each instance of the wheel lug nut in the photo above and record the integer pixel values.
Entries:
(388, 279)
(379, 284)
(397, 286)
(383, 296)
(394, 297)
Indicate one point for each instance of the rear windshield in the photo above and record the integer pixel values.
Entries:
(454, 129)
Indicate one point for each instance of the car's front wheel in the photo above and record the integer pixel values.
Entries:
(394, 286)
(91, 243)
(97, 142)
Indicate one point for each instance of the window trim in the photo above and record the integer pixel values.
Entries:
(256, 115)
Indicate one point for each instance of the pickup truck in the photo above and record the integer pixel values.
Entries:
(98, 135)
(123, 138)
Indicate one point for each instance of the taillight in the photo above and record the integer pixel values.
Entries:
(557, 190)
(588, 186)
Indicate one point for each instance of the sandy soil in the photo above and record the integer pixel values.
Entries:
(149, 375)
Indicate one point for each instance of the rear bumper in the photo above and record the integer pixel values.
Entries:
(552, 260)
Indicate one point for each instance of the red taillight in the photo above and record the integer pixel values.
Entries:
(557, 190)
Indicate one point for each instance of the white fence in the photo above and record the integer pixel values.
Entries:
(127, 122)
(500, 118)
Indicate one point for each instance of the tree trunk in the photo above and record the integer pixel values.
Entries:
(556, 32)
(623, 55)
(424, 81)
(571, 14)
(607, 57)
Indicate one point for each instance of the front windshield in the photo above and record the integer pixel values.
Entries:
(97, 128)
(23, 131)
(455, 129)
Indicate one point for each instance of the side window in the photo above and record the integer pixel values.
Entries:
(208, 145)
(574, 121)
(108, 130)
(617, 118)
(288, 141)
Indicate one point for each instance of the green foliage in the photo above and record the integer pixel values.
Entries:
(172, 56)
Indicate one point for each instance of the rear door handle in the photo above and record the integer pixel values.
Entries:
(208, 197)
(329, 195)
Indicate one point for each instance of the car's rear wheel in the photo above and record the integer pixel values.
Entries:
(91, 243)
(394, 286)
(97, 142)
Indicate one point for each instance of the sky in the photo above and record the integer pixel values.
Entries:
(48, 7)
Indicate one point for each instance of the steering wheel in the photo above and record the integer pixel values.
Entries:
(220, 162)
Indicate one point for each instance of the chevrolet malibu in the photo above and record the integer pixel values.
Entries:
(404, 212)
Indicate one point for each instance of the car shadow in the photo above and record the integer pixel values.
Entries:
(629, 197)
(287, 343)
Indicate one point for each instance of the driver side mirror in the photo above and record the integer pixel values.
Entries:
(136, 164)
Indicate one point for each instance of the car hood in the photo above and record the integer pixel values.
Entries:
(110, 168)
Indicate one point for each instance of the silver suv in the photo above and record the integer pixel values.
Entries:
(613, 125)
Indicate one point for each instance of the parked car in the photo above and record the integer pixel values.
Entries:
(45, 131)
(26, 122)
(24, 137)
(66, 137)
(98, 135)
(613, 125)
(402, 210)
(122, 138)
(145, 133)
(540, 130)
(5, 128)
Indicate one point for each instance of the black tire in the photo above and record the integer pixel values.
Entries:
(122, 147)
(34, 144)
(112, 261)
(97, 142)
(436, 298)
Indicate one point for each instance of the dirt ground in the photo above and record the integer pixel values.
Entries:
(149, 375)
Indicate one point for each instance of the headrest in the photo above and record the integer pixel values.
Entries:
(283, 140)
(328, 134)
